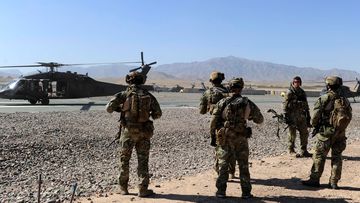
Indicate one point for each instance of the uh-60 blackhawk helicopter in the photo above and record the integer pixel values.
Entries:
(346, 91)
(52, 84)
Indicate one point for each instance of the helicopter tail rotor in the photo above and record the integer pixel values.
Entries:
(145, 68)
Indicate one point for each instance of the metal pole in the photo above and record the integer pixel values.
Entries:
(39, 187)
(73, 192)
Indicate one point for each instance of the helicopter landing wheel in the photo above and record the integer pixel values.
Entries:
(45, 101)
(32, 101)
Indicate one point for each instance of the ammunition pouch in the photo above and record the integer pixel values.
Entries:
(220, 136)
(326, 132)
(149, 127)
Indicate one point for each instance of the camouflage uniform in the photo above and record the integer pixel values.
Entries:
(232, 143)
(327, 139)
(207, 104)
(296, 109)
(135, 134)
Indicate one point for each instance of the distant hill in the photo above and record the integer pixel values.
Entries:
(249, 70)
(10, 73)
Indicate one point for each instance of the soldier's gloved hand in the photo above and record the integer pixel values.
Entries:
(287, 118)
(213, 138)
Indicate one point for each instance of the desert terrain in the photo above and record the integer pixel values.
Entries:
(71, 146)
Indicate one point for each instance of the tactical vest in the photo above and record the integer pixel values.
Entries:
(136, 107)
(298, 102)
(234, 114)
(216, 94)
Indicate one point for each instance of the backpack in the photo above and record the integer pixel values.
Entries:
(216, 95)
(136, 107)
(341, 115)
(234, 113)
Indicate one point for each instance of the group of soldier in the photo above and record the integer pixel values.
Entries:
(229, 132)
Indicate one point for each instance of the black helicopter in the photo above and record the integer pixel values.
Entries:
(52, 84)
(346, 89)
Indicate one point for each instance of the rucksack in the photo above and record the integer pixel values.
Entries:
(216, 95)
(341, 115)
(234, 113)
(137, 107)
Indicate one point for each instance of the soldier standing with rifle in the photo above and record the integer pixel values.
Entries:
(332, 114)
(297, 116)
(229, 121)
(207, 103)
(136, 106)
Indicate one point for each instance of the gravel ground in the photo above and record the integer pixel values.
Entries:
(69, 147)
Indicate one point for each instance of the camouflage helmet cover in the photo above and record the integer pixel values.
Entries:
(236, 83)
(135, 77)
(217, 76)
(333, 80)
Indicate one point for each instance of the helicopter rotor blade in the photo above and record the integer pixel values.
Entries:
(357, 84)
(142, 58)
(24, 66)
(83, 64)
(57, 65)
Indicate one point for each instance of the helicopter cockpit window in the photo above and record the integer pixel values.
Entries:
(12, 84)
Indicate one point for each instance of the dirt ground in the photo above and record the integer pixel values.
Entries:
(274, 179)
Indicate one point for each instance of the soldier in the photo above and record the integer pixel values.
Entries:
(229, 121)
(297, 116)
(207, 104)
(332, 114)
(136, 105)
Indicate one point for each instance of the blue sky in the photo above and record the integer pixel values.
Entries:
(318, 33)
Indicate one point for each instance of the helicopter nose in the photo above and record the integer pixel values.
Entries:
(4, 94)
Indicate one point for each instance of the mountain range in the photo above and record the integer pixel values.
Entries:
(232, 67)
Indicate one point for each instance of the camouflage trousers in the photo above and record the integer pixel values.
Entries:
(141, 141)
(236, 148)
(232, 165)
(322, 148)
(304, 135)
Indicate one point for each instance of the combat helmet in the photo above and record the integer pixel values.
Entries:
(216, 77)
(333, 80)
(136, 78)
(236, 83)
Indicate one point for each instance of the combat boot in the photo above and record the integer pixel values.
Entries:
(220, 194)
(291, 151)
(247, 196)
(304, 154)
(121, 190)
(144, 192)
(311, 183)
(334, 186)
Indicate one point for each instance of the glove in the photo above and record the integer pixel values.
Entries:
(287, 118)
(213, 139)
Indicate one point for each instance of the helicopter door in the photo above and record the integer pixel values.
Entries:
(61, 87)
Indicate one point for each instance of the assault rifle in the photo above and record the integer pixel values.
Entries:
(118, 134)
(280, 119)
(117, 137)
